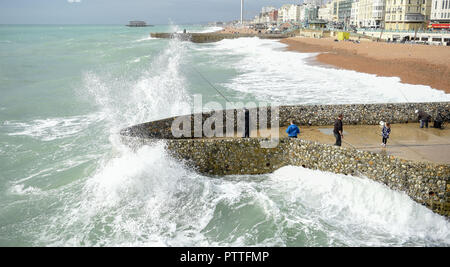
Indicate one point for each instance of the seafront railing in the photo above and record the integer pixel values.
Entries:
(404, 31)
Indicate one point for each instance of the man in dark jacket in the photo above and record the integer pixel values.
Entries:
(338, 130)
(247, 123)
(438, 120)
(423, 118)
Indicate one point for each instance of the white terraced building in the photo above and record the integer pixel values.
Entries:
(324, 12)
(267, 9)
(289, 13)
(371, 13)
(440, 11)
(354, 17)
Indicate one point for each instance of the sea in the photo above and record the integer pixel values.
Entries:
(66, 179)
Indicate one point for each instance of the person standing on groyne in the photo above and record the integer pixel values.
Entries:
(423, 118)
(293, 130)
(247, 123)
(338, 130)
(385, 132)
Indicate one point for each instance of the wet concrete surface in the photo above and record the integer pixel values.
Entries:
(407, 141)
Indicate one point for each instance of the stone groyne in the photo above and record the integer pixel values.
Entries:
(215, 37)
(311, 115)
(426, 183)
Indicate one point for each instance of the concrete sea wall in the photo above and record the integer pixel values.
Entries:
(426, 183)
(311, 115)
(215, 37)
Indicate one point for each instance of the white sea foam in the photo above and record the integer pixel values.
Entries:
(160, 92)
(269, 73)
(210, 29)
(136, 60)
(207, 30)
(40, 173)
(143, 197)
(148, 199)
(360, 208)
(20, 189)
(148, 38)
(140, 196)
(51, 128)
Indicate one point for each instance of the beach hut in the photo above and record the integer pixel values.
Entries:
(343, 36)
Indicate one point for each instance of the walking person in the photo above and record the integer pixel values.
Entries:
(423, 118)
(293, 130)
(385, 132)
(338, 130)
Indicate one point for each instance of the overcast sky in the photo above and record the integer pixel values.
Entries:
(122, 11)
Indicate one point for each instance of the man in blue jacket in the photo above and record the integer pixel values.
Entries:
(293, 130)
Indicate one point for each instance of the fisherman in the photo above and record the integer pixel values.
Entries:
(247, 123)
(338, 130)
(293, 130)
(423, 118)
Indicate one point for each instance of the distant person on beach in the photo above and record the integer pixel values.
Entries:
(293, 130)
(338, 130)
(423, 118)
(247, 123)
(385, 132)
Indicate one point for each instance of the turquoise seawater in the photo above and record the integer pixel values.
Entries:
(67, 180)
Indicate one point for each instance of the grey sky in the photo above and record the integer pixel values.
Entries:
(121, 11)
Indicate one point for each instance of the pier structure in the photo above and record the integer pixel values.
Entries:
(138, 23)
(425, 180)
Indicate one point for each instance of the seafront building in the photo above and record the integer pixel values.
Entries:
(354, 18)
(341, 11)
(282, 13)
(371, 14)
(314, 2)
(440, 13)
(407, 14)
(293, 14)
(345, 11)
(324, 12)
(391, 15)
(308, 12)
(334, 10)
(268, 16)
(267, 9)
(289, 13)
(273, 16)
